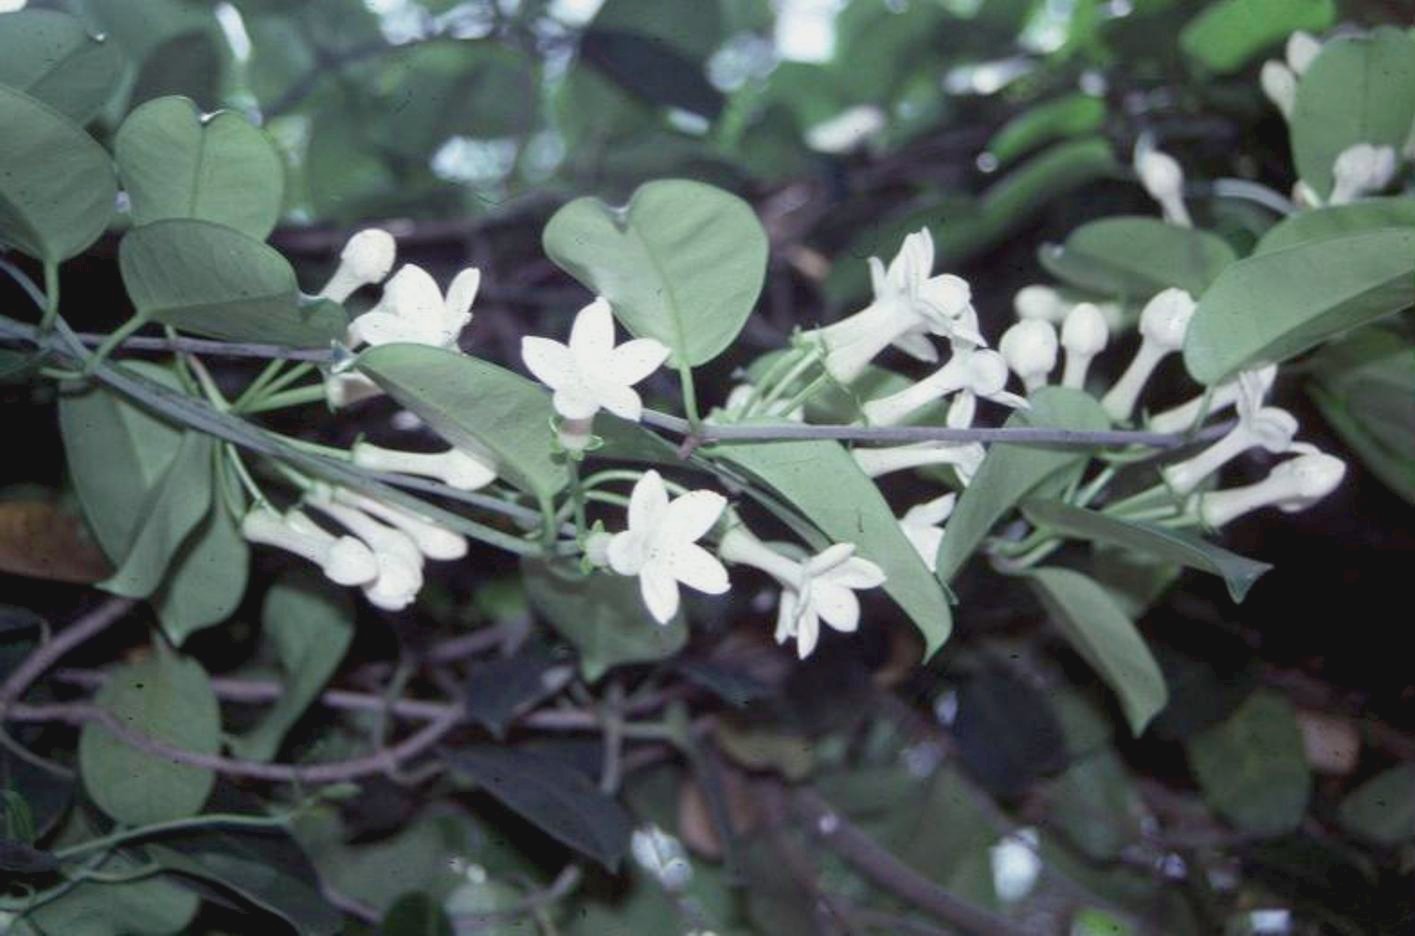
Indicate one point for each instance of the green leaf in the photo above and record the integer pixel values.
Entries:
(1364, 385)
(150, 905)
(309, 626)
(168, 699)
(207, 579)
(475, 405)
(1134, 257)
(212, 280)
(1107, 639)
(189, 64)
(1360, 89)
(556, 798)
(1011, 472)
(1252, 767)
(1095, 805)
(1337, 221)
(1268, 308)
(1178, 546)
(175, 162)
(51, 57)
(58, 189)
(1229, 33)
(683, 262)
(602, 615)
(850, 509)
(1382, 809)
(415, 914)
(1067, 116)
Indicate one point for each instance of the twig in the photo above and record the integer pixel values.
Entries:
(876, 863)
(46, 655)
(565, 882)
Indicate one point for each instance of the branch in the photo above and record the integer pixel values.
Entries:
(46, 655)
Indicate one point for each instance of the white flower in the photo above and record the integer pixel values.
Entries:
(821, 588)
(846, 130)
(922, 525)
(1016, 866)
(344, 560)
(1279, 83)
(1258, 425)
(1291, 486)
(1084, 334)
(1360, 170)
(347, 388)
(458, 468)
(981, 373)
(12, 6)
(400, 562)
(662, 857)
(1162, 177)
(909, 305)
(1185, 415)
(660, 546)
(590, 373)
(414, 311)
(965, 457)
(434, 541)
(1040, 302)
(365, 260)
(1302, 50)
(1163, 324)
(1030, 349)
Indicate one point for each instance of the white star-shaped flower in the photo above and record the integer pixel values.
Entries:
(660, 546)
(414, 311)
(922, 525)
(825, 591)
(590, 373)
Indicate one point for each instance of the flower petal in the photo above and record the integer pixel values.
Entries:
(698, 569)
(857, 573)
(462, 293)
(415, 296)
(836, 604)
(786, 616)
(549, 361)
(648, 504)
(693, 514)
(381, 328)
(660, 591)
(592, 335)
(619, 399)
(917, 346)
(634, 360)
(572, 402)
(808, 632)
(626, 552)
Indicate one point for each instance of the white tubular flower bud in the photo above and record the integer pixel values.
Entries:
(1039, 302)
(1030, 349)
(1269, 428)
(965, 458)
(740, 547)
(662, 858)
(365, 260)
(1186, 415)
(852, 343)
(1360, 170)
(981, 372)
(1163, 325)
(454, 467)
(400, 562)
(1302, 50)
(344, 560)
(1162, 177)
(1280, 85)
(1291, 486)
(341, 390)
(1084, 334)
(434, 541)
(922, 525)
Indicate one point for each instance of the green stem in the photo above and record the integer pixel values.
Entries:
(277, 384)
(252, 392)
(51, 295)
(690, 396)
(288, 398)
(777, 368)
(806, 392)
(239, 465)
(784, 384)
(113, 341)
(577, 499)
(209, 820)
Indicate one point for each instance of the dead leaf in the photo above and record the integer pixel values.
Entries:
(42, 540)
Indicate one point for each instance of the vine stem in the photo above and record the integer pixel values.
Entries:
(47, 654)
(230, 820)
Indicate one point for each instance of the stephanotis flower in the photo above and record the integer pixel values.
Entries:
(590, 373)
(458, 468)
(1361, 170)
(1291, 486)
(1030, 348)
(909, 304)
(414, 311)
(822, 588)
(922, 525)
(1163, 178)
(1258, 426)
(343, 559)
(977, 372)
(1163, 324)
(1185, 415)
(661, 544)
(364, 261)
(400, 562)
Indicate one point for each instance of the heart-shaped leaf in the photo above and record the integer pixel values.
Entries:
(1267, 308)
(212, 280)
(683, 262)
(175, 162)
(50, 56)
(57, 190)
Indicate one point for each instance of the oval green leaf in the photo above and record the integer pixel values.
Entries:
(57, 190)
(51, 57)
(1338, 221)
(1267, 308)
(1067, 116)
(1107, 639)
(1229, 33)
(175, 162)
(212, 280)
(168, 699)
(683, 262)
(1135, 257)
(475, 405)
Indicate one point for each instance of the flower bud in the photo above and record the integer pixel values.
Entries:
(365, 260)
(1360, 170)
(661, 856)
(434, 541)
(1084, 334)
(1269, 428)
(344, 560)
(1039, 302)
(348, 388)
(1291, 486)
(1030, 348)
(1280, 85)
(455, 467)
(1302, 50)
(1185, 415)
(965, 457)
(1162, 177)
(400, 562)
(1163, 325)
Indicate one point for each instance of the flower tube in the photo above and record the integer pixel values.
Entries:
(344, 560)
(1291, 486)
(1163, 324)
(455, 467)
